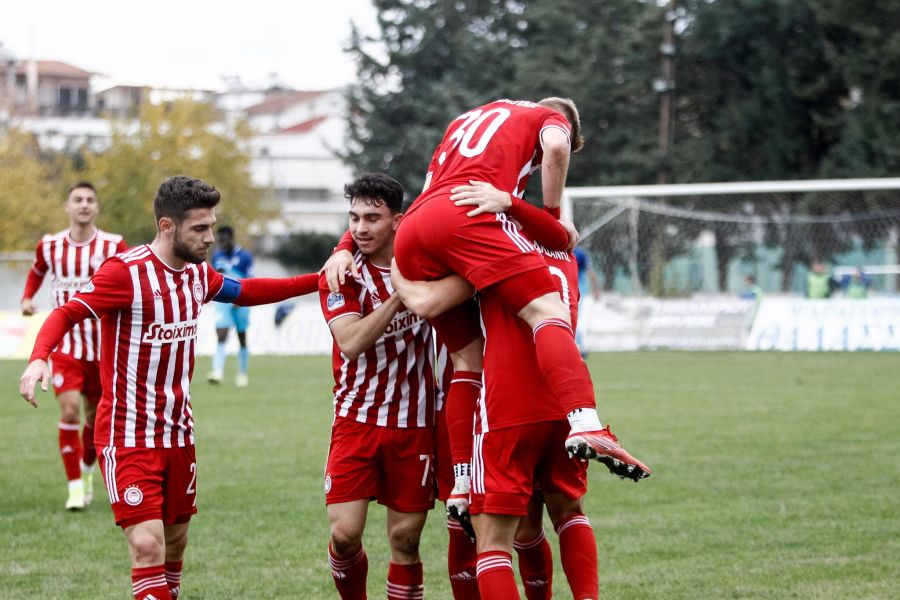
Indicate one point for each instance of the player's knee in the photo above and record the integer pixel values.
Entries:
(345, 540)
(68, 412)
(562, 509)
(146, 548)
(404, 540)
(176, 544)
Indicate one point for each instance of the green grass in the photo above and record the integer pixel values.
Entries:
(775, 476)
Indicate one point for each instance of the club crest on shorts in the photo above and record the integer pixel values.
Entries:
(198, 291)
(335, 301)
(58, 380)
(327, 483)
(133, 495)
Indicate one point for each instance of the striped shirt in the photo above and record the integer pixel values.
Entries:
(71, 265)
(392, 383)
(149, 313)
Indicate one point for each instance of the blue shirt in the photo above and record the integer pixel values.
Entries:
(237, 265)
(583, 262)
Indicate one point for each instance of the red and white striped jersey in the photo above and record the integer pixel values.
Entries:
(514, 391)
(392, 383)
(71, 265)
(149, 314)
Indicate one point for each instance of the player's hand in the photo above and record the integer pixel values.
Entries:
(37, 370)
(336, 268)
(483, 196)
(569, 226)
(28, 307)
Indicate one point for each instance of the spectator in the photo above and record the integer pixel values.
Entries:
(819, 282)
(857, 284)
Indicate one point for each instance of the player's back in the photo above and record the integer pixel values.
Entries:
(515, 392)
(498, 143)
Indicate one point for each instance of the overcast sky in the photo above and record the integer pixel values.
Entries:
(191, 43)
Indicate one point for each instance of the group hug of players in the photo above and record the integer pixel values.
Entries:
(470, 269)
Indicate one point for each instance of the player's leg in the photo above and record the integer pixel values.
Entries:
(495, 534)
(349, 563)
(577, 545)
(405, 577)
(70, 445)
(241, 316)
(533, 551)
(88, 449)
(530, 295)
(176, 536)
(224, 322)
(147, 545)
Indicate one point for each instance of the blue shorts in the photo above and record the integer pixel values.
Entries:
(229, 315)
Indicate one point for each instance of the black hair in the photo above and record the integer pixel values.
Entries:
(82, 184)
(178, 195)
(225, 230)
(376, 189)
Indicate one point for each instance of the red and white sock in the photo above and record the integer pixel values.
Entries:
(173, 577)
(495, 576)
(405, 582)
(70, 449)
(149, 583)
(578, 554)
(461, 559)
(561, 365)
(88, 451)
(536, 567)
(350, 574)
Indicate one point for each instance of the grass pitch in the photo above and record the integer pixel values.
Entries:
(775, 476)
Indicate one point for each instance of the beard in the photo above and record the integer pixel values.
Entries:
(184, 252)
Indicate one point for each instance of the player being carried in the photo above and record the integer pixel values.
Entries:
(148, 300)
(70, 257)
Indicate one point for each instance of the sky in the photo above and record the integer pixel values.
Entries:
(191, 43)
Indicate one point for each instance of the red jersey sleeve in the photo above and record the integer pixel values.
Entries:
(555, 119)
(539, 225)
(36, 274)
(110, 289)
(214, 283)
(341, 303)
(346, 243)
(121, 246)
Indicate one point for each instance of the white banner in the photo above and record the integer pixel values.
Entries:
(833, 324)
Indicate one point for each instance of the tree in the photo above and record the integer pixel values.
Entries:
(183, 137)
(33, 192)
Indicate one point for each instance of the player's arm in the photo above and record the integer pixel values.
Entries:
(354, 334)
(429, 299)
(33, 282)
(262, 290)
(554, 166)
(340, 262)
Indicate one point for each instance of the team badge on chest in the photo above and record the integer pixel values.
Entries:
(198, 292)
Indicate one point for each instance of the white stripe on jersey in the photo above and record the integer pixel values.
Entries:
(168, 420)
(134, 346)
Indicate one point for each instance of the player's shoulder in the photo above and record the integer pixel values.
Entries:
(137, 254)
(53, 237)
(106, 236)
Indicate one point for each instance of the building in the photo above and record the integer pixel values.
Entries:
(48, 88)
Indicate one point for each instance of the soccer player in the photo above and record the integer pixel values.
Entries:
(148, 300)
(382, 436)
(518, 441)
(235, 262)
(70, 257)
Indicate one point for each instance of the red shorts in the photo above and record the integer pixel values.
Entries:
(508, 463)
(150, 483)
(443, 462)
(436, 239)
(387, 464)
(71, 374)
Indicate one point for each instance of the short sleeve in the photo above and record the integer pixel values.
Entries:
(214, 283)
(341, 303)
(122, 246)
(109, 290)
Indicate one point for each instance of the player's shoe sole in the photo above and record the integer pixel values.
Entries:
(603, 447)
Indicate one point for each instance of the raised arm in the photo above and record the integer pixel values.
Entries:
(265, 290)
(429, 299)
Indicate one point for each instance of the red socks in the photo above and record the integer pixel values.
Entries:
(578, 554)
(350, 574)
(88, 452)
(495, 576)
(150, 582)
(70, 449)
(461, 559)
(561, 365)
(465, 389)
(536, 567)
(173, 577)
(405, 582)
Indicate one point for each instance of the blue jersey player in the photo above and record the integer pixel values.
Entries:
(235, 262)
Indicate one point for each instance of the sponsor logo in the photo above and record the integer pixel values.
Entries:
(70, 283)
(58, 380)
(67, 449)
(327, 483)
(462, 576)
(198, 291)
(157, 295)
(170, 333)
(335, 301)
(133, 495)
(338, 574)
(376, 299)
(536, 583)
(402, 322)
